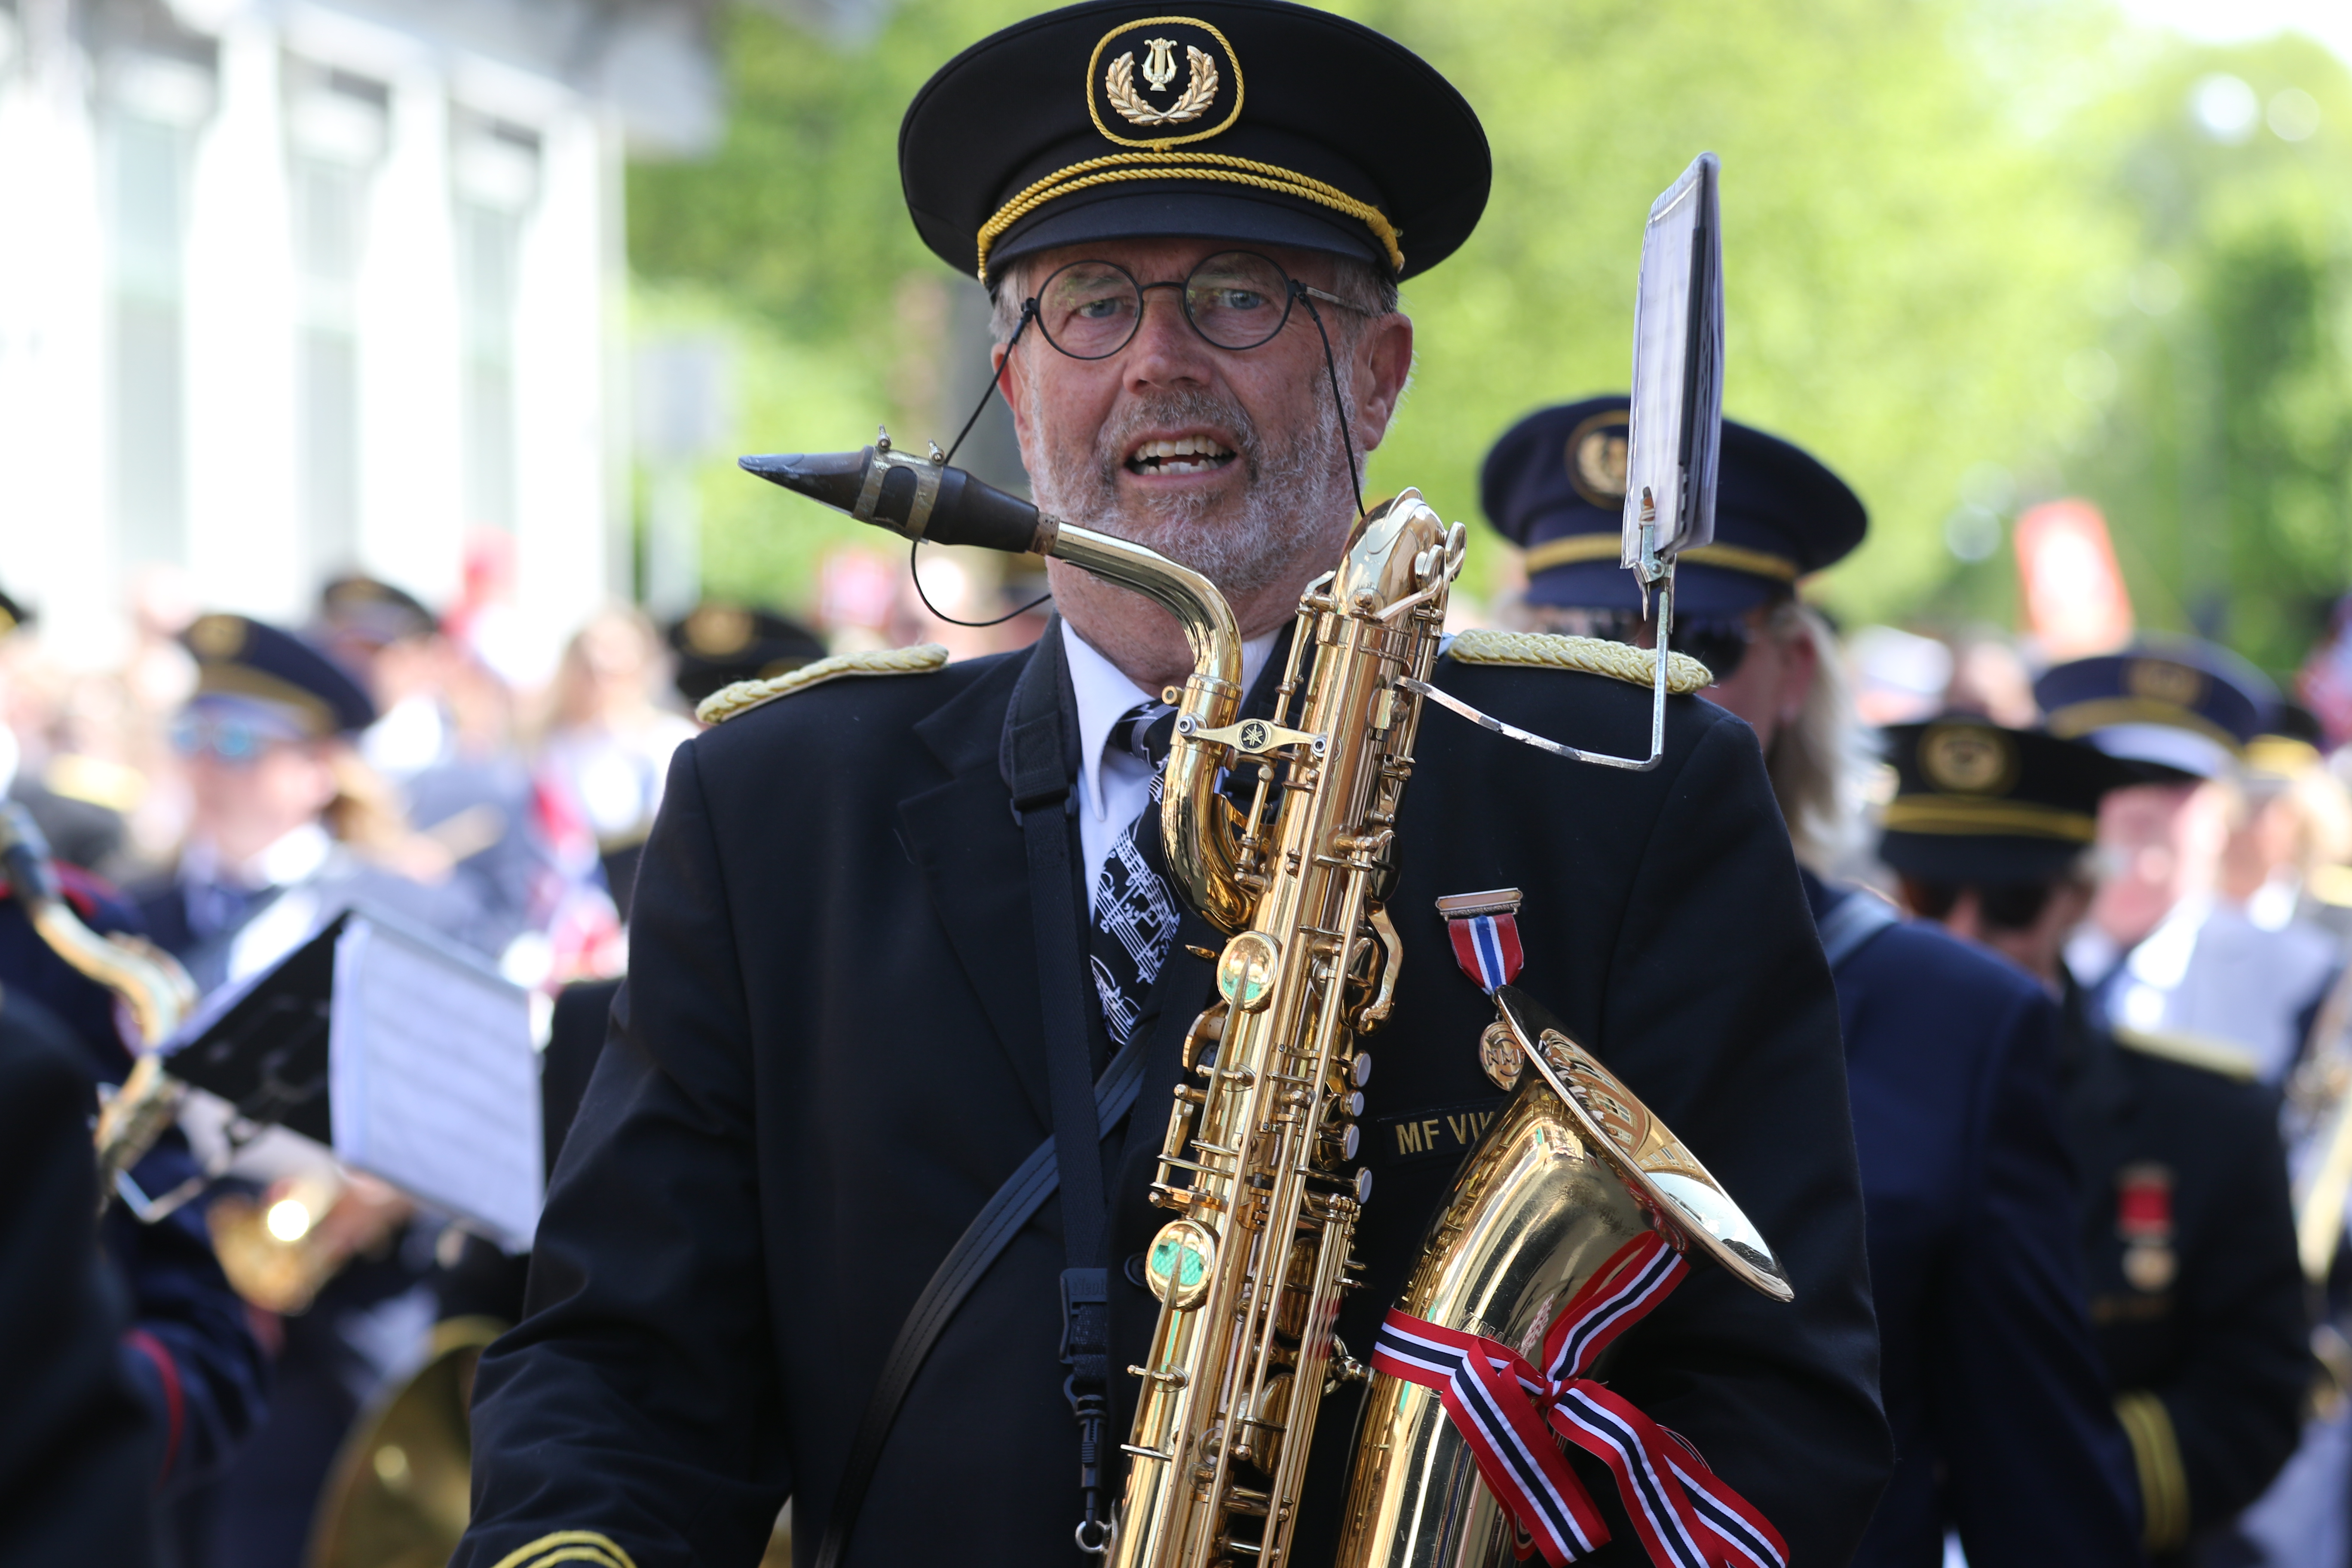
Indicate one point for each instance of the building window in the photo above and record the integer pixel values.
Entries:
(336, 129)
(495, 169)
(153, 108)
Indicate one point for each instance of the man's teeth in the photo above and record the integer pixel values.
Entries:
(1185, 455)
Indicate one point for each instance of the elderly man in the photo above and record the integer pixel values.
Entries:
(832, 1045)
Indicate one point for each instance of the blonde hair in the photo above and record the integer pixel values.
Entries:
(1820, 763)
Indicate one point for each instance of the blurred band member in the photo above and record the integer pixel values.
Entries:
(79, 1448)
(289, 828)
(468, 795)
(2186, 1235)
(2164, 954)
(189, 1346)
(2002, 1426)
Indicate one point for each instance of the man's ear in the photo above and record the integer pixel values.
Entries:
(1007, 375)
(1383, 356)
(1802, 668)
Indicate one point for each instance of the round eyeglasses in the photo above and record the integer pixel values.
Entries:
(1235, 299)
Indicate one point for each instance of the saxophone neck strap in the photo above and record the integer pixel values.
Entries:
(1508, 1411)
(1039, 761)
(1033, 759)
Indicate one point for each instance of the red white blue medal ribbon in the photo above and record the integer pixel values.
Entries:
(1508, 1411)
(1484, 928)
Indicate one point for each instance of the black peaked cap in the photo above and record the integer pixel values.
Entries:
(1555, 485)
(372, 610)
(1980, 804)
(719, 644)
(242, 658)
(1254, 120)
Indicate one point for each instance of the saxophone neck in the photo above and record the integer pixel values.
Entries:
(1210, 629)
(149, 980)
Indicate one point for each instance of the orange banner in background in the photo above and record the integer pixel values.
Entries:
(2075, 602)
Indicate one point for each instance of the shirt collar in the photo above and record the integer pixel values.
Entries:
(1104, 693)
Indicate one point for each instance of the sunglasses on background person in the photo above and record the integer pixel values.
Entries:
(238, 743)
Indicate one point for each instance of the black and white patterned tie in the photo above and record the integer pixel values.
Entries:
(1135, 911)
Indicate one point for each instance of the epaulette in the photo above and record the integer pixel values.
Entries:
(1587, 656)
(2213, 1055)
(745, 695)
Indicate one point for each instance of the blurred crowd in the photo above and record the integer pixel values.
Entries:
(223, 792)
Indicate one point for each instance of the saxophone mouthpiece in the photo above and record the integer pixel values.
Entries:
(914, 497)
(833, 477)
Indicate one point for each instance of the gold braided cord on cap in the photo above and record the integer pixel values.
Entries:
(2163, 1481)
(1738, 558)
(745, 695)
(1171, 165)
(2077, 720)
(1979, 816)
(1569, 548)
(1576, 547)
(589, 1546)
(1586, 655)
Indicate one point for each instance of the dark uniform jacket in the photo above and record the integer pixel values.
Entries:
(189, 1345)
(2183, 1168)
(828, 1057)
(78, 1449)
(2003, 1428)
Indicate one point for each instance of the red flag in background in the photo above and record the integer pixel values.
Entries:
(2075, 602)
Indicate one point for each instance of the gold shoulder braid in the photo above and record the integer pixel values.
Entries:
(745, 695)
(593, 1549)
(1588, 656)
(2163, 1481)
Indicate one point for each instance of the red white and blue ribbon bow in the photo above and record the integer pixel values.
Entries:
(1507, 1411)
(1485, 931)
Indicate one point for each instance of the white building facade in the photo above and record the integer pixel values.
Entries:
(290, 288)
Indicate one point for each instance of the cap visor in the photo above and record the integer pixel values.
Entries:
(1968, 858)
(1699, 591)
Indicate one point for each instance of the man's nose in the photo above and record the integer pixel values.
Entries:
(1165, 349)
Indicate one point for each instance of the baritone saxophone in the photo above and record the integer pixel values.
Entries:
(1281, 832)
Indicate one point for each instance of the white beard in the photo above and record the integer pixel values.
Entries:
(1277, 529)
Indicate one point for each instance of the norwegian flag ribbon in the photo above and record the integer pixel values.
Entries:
(1508, 1411)
(1485, 928)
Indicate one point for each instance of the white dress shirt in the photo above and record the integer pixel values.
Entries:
(1113, 787)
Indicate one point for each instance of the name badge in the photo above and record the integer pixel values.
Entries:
(1446, 1134)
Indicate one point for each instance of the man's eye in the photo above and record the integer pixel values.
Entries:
(1099, 309)
(1235, 300)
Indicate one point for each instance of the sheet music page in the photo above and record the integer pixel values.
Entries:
(434, 1079)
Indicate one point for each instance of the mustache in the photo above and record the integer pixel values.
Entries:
(1187, 408)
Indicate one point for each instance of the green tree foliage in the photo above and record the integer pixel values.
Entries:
(2223, 456)
(1938, 213)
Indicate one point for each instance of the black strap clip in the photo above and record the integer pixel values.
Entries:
(1085, 1350)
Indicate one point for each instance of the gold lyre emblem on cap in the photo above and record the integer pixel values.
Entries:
(1596, 458)
(1969, 759)
(2162, 680)
(1159, 66)
(1158, 74)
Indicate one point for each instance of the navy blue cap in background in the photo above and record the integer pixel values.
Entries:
(2178, 703)
(248, 660)
(1555, 485)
